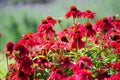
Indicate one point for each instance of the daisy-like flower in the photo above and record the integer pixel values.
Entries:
(9, 48)
(27, 39)
(73, 12)
(89, 31)
(20, 52)
(81, 75)
(103, 25)
(102, 74)
(115, 77)
(51, 20)
(0, 35)
(116, 65)
(56, 74)
(89, 14)
(46, 28)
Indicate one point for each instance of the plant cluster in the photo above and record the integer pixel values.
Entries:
(89, 51)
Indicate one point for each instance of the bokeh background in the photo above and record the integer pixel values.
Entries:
(18, 17)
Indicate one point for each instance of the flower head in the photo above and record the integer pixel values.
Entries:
(51, 20)
(89, 14)
(74, 12)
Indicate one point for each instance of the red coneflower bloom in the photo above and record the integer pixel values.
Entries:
(115, 21)
(62, 37)
(25, 65)
(20, 51)
(81, 75)
(0, 35)
(85, 59)
(77, 44)
(103, 25)
(83, 63)
(51, 20)
(74, 12)
(89, 14)
(9, 47)
(115, 76)
(102, 74)
(56, 74)
(89, 31)
(46, 28)
(116, 65)
(19, 75)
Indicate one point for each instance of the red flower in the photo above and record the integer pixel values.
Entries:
(27, 40)
(81, 75)
(102, 74)
(63, 37)
(116, 65)
(51, 20)
(56, 74)
(86, 60)
(77, 44)
(19, 75)
(46, 28)
(89, 14)
(25, 65)
(65, 62)
(9, 47)
(82, 63)
(74, 12)
(77, 32)
(20, 51)
(103, 25)
(115, 76)
(0, 35)
(115, 21)
(89, 31)
(43, 62)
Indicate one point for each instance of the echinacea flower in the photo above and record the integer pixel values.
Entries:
(0, 35)
(20, 51)
(62, 37)
(115, 76)
(56, 74)
(27, 39)
(103, 25)
(25, 65)
(81, 75)
(89, 14)
(89, 31)
(46, 28)
(116, 66)
(9, 48)
(102, 74)
(51, 20)
(19, 75)
(74, 12)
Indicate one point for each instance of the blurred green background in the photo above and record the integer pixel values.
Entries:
(18, 17)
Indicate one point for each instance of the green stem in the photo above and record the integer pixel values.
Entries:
(7, 63)
(74, 22)
(61, 25)
(86, 40)
(34, 73)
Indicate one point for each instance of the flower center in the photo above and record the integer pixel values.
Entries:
(44, 21)
(88, 11)
(104, 19)
(73, 8)
(49, 18)
(88, 25)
